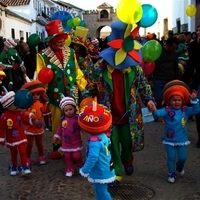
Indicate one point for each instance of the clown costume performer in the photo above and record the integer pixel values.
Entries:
(120, 80)
(176, 95)
(15, 139)
(13, 66)
(67, 79)
(34, 131)
(96, 120)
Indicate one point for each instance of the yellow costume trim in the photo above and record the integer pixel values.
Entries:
(80, 79)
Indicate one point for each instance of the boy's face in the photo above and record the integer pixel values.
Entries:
(12, 107)
(176, 102)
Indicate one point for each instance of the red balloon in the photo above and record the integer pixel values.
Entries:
(45, 75)
(148, 67)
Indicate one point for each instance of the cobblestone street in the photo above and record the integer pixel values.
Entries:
(48, 182)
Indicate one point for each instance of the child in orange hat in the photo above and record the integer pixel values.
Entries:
(96, 120)
(176, 95)
(34, 129)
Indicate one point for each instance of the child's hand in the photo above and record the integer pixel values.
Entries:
(44, 98)
(151, 106)
(193, 94)
(34, 119)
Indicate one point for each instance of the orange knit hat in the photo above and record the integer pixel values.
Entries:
(34, 86)
(95, 118)
(176, 87)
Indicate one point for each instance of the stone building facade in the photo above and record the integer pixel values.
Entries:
(103, 16)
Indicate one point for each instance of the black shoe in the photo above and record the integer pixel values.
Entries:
(113, 184)
(129, 169)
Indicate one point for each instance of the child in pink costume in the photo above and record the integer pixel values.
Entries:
(69, 131)
(15, 139)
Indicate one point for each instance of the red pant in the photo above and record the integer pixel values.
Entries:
(38, 142)
(22, 152)
(73, 156)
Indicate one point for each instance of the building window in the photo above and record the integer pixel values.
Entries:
(27, 35)
(21, 33)
(104, 14)
(13, 33)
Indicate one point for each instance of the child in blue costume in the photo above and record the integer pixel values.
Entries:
(96, 120)
(176, 95)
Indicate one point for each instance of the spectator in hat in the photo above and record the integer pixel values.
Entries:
(176, 95)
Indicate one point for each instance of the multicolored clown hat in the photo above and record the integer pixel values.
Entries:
(34, 86)
(55, 28)
(79, 36)
(176, 87)
(124, 51)
(95, 118)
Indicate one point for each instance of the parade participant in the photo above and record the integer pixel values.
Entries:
(35, 128)
(69, 131)
(82, 47)
(176, 95)
(15, 139)
(96, 120)
(57, 67)
(13, 65)
(120, 81)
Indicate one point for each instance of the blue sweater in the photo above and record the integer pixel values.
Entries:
(176, 122)
(98, 159)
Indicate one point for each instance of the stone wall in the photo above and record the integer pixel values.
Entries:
(94, 24)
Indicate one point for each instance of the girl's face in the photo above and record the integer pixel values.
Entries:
(176, 102)
(69, 110)
(36, 96)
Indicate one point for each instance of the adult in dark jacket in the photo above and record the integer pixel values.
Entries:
(193, 73)
(166, 68)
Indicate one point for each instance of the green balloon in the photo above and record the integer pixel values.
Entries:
(76, 21)
(151, 51)
(34, 40)
(70, 23)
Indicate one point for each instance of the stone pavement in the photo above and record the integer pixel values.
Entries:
(48, 182)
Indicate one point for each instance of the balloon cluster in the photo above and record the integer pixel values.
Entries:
(76, 21)
(132, 12)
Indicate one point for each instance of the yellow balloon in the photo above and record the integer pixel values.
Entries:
(129, 11)
(191, 10)
(68, 41)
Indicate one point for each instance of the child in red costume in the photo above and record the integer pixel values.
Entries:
(34, 129)
(69, 131)
(11, 126)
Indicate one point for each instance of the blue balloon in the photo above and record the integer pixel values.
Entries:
(23, 99)
(149, 16)
(82, 23)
